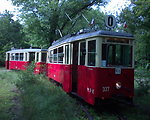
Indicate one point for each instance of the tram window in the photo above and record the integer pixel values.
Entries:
(43, 57)
(55, 55)
(119, 55)
(104, 55)
(17, 56)
(91, 52)
(13, 56)
(25, 56)
(67, 54)
(51, 56)
(31, 56)
(60, 55)
(21, 56)
(82, 53)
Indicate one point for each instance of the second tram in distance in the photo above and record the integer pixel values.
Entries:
(19, 59)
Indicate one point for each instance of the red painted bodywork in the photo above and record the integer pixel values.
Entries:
(97, 78)
(40, 67)
(7, 64)
(91, 80)
(16, 65)
(62, 74)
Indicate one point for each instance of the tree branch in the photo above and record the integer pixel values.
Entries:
(78, 11)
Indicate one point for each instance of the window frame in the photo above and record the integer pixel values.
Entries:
(63, 53)
(87, 53)
(60, 54)
(130, 43)
(79, 53)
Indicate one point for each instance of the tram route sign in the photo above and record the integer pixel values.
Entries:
(110, 21)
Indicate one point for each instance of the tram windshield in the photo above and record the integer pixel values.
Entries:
(116, 55)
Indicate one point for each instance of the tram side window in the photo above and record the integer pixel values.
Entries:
(60, 55)
(51, 56)
(21, 56)
(91, 52)
(43, 57)
(55, 55)
(17, 56)
(104, 55)
(31, 56)
(67, 54)
(82, 53)
(13, 56)
(25, 56)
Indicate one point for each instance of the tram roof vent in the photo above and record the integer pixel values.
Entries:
(85, 31)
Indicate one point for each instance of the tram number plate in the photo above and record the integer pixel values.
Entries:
(117, 71)
(105, 89)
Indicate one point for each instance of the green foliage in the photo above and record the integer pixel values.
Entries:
(42, 18)
(42, 100)
(7, 80)
(11, 34)
(137, 18)
(142, 78)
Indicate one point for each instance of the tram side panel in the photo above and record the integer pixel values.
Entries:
(86, 84)
(18, 65)
(67, 82)
(60, 73)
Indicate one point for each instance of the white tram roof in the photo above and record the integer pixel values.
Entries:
(25, 50)
(102, 33)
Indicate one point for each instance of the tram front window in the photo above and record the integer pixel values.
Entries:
(116, 55)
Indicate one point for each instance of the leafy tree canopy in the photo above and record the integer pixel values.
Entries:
(11, 34)
(137, 18)
(42, 18)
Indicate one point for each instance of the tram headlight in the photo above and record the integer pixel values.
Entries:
(118, 85)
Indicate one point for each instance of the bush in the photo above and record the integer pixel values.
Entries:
(42, 100)
(142, 78)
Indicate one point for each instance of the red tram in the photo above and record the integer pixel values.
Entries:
(19, 59)
(95, 65)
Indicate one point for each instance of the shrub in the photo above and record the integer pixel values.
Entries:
(42, 100)
(142, 78)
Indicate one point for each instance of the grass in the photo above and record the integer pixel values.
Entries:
(7, 80)
(41, 100)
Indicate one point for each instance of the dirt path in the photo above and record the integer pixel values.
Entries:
(16, 109)
(13, 94)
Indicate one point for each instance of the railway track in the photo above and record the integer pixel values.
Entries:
(89, 116)
(110, 109)
(115, 111)
(119, 115)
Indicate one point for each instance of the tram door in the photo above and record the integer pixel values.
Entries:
(75, 66)
(7, 60)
